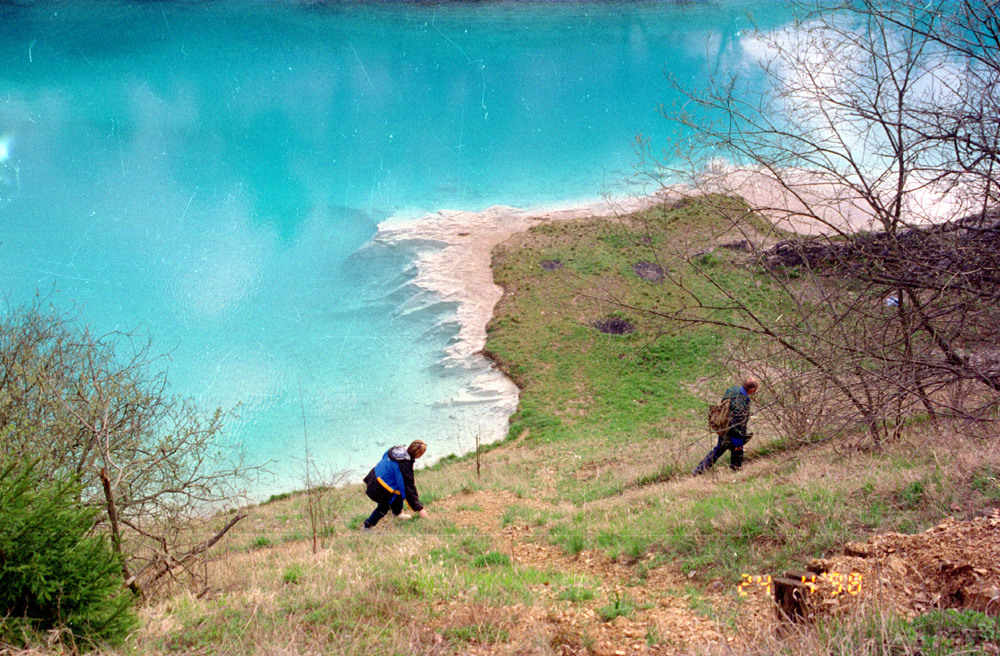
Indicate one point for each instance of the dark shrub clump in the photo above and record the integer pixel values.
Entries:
(552, 265)
(614, 326)
(55, 573)
(648, 271)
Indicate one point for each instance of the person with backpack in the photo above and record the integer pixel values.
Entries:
(732, 433)
(390, 483)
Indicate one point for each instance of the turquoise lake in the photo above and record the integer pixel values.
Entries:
(213, 173)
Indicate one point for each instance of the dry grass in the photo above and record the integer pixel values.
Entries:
(432, 587)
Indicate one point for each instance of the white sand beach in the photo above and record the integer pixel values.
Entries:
(458, 269)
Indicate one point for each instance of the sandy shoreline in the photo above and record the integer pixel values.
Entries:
(457, 268)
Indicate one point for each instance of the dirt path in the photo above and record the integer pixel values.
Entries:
(661, 622)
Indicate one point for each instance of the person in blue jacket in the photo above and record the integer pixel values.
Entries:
(390, 483)
(737, 435)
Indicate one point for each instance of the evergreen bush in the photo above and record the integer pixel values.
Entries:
(55, 573)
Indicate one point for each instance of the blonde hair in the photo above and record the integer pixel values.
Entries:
(416, 449)
(751, 383)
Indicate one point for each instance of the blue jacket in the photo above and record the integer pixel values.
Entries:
(392, 476)
(388, 475)
(739, 414)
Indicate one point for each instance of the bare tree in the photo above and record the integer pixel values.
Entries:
(874, 142)
(99, 408)
(322, 514)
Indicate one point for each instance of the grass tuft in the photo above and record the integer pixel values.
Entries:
(618, 606)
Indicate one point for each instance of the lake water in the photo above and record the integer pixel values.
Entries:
(213, 173)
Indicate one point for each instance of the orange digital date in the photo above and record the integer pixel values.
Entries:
(849, 583)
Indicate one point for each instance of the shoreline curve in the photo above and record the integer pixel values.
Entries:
(453, 261)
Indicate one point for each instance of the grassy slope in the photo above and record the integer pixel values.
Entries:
(606, 427)
(645, 396)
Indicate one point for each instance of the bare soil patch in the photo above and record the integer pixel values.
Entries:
(955, 564)
(648, 271)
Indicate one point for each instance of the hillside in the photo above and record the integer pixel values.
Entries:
(583, 532)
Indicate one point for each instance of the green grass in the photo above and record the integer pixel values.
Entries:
(491, 559)
(986, 481)
(610, 398)
(517, 514)
(571, 536)
(463, 550)
(598, 456)
(759, 524)
(911, 495)
(617, 606)
(407, 584)
(602, 393)
(482, 634)
(575, 594)
(625, 382)
(354, 522)
(938, 633)
(293, 574)
(630, 398)
(954, 631)
(665, 473)
(205, 629)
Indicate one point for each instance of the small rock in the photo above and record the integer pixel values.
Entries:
(857, 549)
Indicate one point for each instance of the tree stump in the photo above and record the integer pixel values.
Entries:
(792, 598)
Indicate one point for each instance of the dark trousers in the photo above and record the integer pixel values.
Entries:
(725, 444)
(393, 502)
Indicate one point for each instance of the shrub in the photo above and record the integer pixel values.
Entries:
(54, 572)
(77, 405)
